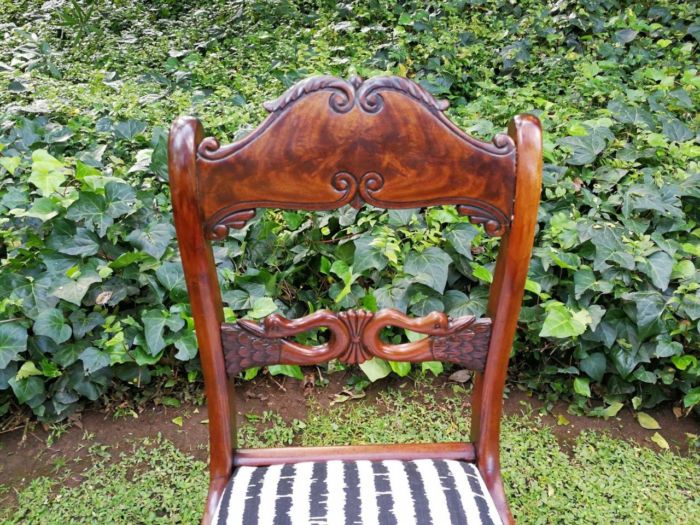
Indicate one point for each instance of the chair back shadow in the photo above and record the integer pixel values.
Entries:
(328, 143)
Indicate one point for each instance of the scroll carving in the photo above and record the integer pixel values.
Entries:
(355, 338)
(329, 142)
(357, 191)
(344, 95)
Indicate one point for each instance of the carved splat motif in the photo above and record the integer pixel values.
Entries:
(355, 338)
(329, 142)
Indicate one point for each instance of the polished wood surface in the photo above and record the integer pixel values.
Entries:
(505, 298)
(256, 457)
(355, 338)
(330, 142)
(205, 298)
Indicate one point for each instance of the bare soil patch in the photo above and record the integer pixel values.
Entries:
(29, 453)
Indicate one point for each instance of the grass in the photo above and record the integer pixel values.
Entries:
(595, 480)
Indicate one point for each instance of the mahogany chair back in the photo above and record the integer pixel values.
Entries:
(327, 143)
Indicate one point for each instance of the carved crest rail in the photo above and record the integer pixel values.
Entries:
(329, 142)
(355, 338)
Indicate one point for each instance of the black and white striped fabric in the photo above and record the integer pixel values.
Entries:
(420, 492)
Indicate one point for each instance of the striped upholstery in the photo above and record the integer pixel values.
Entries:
(420, 492)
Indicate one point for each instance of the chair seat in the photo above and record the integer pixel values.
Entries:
(420, 492)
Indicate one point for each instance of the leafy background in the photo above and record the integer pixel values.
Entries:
(92, 299)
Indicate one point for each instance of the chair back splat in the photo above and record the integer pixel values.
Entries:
(328, 143)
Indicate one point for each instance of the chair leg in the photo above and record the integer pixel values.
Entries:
(216, 491)
(494, 484)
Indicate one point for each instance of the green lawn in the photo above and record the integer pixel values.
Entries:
(598, 480)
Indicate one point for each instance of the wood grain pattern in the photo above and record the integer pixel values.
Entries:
(329, 142)
(355, 338)
(205, 298)
(258, 457)
(505, 298)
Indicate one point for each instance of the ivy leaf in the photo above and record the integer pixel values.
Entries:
(665, 200)
(83, 324)
(91, 209)
(584, 280)
(27, 389)
(94, 359)
(262, 307)
(51, 323)
(48, 173)
(625, 36)
(73, 290)
(609, 247)
(154, 240)
(625, 361)
(692, 398)
(401, 368)
(581, 386)
(401, 217)
(429, 267)
(683, 269)
(347, 275)
(171, 275)
(367, 256)
(43, 209)
(630, 114)
(608, 412)
(13, 340)
(461, 236)
(393, 296)
(660, 441)
(584, 149)
(436, 367)
(186, 346)
(237, 299)
(286, 370)
(35, 296)
(125, 259)
(648, 422)
(675, 130)
(694, 31)
(561, 322)
(481, 272)
(649, 306)
(154, 324)
(120, 199)
(10, 163)
(159, 158)
(128, 129)
(28, 369)
(594, 365)
(84, 243)
(658, 266)
(458, 304)
(375, 369)
(667, 348)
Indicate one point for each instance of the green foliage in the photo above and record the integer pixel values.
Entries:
(150, 482)
(91, 290)
(594, 479)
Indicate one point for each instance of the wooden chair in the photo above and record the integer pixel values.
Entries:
(326, 143)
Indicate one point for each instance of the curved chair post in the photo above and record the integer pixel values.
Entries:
(328, 143)
(504, 304)
(205, 298)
